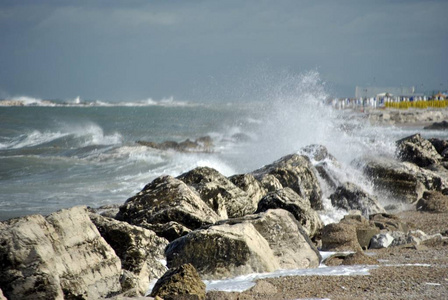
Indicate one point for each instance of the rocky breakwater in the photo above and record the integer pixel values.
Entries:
(207, 226)
(408, 116)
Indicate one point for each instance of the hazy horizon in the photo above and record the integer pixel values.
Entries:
(213, 50)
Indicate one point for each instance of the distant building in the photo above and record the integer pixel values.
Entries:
(439, 96)
(372, 91)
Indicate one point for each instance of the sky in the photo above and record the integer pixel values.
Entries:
(133, 50)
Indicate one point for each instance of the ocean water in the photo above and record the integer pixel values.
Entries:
(56, 154)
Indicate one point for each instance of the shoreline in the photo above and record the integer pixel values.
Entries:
(404, 272)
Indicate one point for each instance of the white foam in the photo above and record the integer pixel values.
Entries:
(31, 139)
(242, 283)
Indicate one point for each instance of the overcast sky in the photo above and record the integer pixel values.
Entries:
(133, 50)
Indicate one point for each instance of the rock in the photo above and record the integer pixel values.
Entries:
(382, 240)
(440, 146)
(340, 237)
(62, 256)
(110, 210)
(220, 194)
(349, 259)
(388, 222)
(350, 196)
(223, 251)
(329, 177)
(140, 250)
(433, 201)
(317, 153)
(251, 186)
(289, 242)
(202, 144)
(300, 208)
(296, 172)
(401, 181)
(229, 247)
(417, 150)
(183, 280)
(365, 230)
(170, 230)
(164, 200)
(437, 126)
(270, 183)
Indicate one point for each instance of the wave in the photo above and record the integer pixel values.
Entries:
(81, 136)
(78, 102)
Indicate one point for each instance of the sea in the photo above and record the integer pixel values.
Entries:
(57, 154)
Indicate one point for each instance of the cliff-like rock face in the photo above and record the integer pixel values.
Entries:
(140, 250)
(62, 256)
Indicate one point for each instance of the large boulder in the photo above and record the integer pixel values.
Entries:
(182, 280)
(300, 208)
(401, 181)
(164, 200)
(433, 202)
(349, 196)
(289, 242)
(140, 250)
(340, 237)
(247, 182)
(220, 194)
(62, 256)
(296, 172)
(223, 251)
(417, 150)
(228, 249)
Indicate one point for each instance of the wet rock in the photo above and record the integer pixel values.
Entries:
(62, 256)
(180, 281)
(388, 222)
(433, 201)
(296, 172)
(202, 144)
(250, 185)
(140, 250)
(301, 209)
(349, 259)
(350, 196)
(164, 200)
(317, 153)
(437, 126)
(382, 240)
(223, 251)
(220, 194)
(440, 146)
(417, 150)
(340, 237)
(401, 181)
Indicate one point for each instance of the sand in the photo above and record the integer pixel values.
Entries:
(404, 272)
